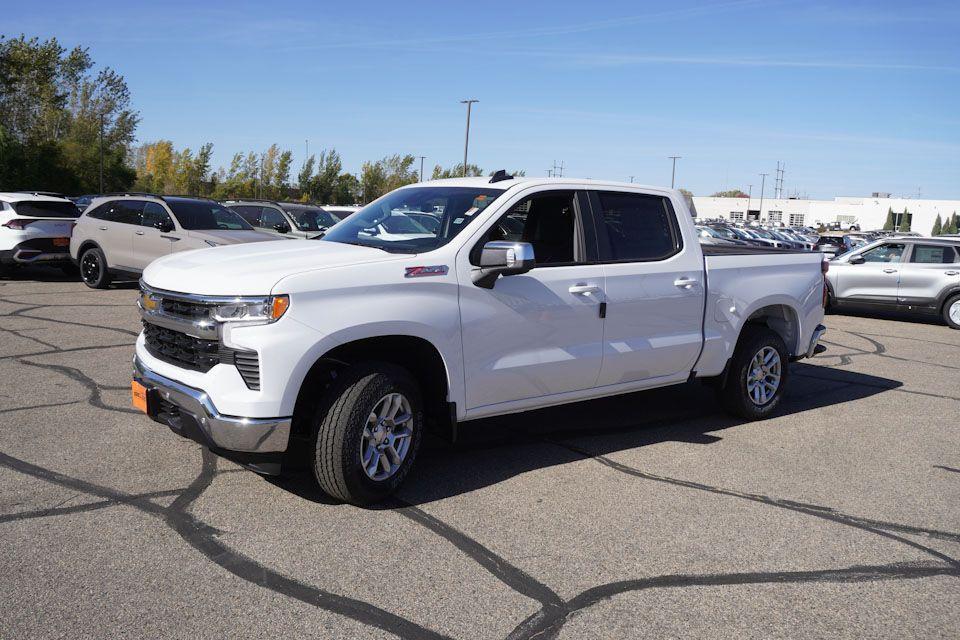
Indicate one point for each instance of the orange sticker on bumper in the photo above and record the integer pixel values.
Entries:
(139, 393)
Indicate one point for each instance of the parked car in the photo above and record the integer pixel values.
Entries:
(918, 275)
(707, 235)
(339, 210)
(284, 219)
(123, 233)
(35, 229)
(761, 236)
(345, 346)
(83, 201)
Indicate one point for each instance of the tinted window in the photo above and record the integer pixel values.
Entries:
(123, 211)
(99, 212)
(933, 254)
(206, 215)
(547, 221)
(41, 209)
(312, 219)
(153, 214)
(270, 218)
(250, 214)
(884, 253)
(638, 226)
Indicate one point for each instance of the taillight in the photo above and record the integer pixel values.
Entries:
(17, 223)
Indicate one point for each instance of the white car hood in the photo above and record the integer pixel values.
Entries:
(253, 268)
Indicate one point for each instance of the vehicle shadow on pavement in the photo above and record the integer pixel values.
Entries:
(493, 450)
(41, 273)
(883, 314)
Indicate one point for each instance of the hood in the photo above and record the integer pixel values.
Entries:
(225, 236)
(253, 268)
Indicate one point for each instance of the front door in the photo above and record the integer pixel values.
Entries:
(654, 288)
(876, 279)
(149, 243)
(537, 334)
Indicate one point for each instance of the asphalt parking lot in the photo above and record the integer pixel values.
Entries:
(652, 515)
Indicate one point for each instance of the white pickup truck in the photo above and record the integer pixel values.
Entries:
(529, 293)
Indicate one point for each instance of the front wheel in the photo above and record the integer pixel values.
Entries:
(757, 376)
(93, 269)
(367, 433)
(951, 312)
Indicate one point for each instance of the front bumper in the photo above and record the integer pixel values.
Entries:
(191, 413)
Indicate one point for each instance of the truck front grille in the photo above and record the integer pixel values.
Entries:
(184, 309)
(196, 354)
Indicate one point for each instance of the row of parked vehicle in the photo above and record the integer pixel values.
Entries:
(101, 237)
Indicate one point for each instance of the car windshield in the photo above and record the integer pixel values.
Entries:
(384, 223)
(312, 219)
(723, 232)
(204, 215)
(45, 209)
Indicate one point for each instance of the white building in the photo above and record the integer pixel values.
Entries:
(868, 213)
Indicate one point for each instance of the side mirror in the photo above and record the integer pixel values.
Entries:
(503, 259)
(281, 227)
(165, 226)
(857, 260)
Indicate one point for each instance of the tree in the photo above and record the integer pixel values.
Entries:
(905, 219)
(888, 225)
(456, 171)
(951, 226)
(383, 176)
(733, 193)
(937, 226)
(52, 112)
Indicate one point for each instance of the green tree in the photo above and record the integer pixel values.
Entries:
(951, 226)
(53, 109)
(456, 171)
(733, 193)
(937, 226)
(906, 218)
(888, 224)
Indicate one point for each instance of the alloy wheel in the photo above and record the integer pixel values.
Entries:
(90, 267)
(764, 375)
(386, 437)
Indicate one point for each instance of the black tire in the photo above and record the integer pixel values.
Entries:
(951, 301)
(733, 394)
(93, 269)
(339, 427)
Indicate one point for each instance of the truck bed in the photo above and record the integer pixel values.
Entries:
(742, 250)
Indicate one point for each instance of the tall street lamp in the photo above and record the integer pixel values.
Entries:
(421, 167)
(466, 143)
(763, 181)
(673, 175)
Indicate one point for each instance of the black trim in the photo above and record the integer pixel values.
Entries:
(745, 250)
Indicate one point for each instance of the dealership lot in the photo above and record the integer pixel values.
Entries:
(649, 515)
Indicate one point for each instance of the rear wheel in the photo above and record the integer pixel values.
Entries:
(367, 432)
(951, 312)
(757, 376)
(93, 269)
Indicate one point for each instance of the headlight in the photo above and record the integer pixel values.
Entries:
(252, 311)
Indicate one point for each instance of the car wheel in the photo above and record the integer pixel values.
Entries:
(951, 312)
(367, 432)
(93, 269)
(757, 375)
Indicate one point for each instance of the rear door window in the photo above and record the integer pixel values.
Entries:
(636, 227)
(270, 218)
(933, 254)
(249, 213)
(125, 211)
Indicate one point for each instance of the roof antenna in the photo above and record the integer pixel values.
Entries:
(500, 175)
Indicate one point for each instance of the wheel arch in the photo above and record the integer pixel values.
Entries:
(781, 318)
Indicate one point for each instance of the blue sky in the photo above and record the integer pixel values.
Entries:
(854, 96)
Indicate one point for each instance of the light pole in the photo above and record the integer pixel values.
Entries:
(466, 142)
(421, 167)
(673, 175)
(749, 198)
(763, 181)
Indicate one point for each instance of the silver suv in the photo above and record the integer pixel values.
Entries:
(920, 275)
(284, 219)
(123, 233)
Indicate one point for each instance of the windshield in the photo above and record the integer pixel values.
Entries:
(312, 219)
(724, 232)
(45, 209)
(396, 222)
(203, 215)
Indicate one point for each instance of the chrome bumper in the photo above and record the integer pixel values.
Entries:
(231, 433)
(814, 339)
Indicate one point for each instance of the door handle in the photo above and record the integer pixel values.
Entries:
(953, 273)
(889, 270)
(583, 289)
(102, 228)
(684, 283)
(139, 233)
(170, 238)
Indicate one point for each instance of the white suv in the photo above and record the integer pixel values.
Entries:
(35, 228)
(122, 234)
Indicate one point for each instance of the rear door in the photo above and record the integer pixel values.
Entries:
(115, 223)
(653, 286)
(149, 243)
(877, 279)
(927, 271)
